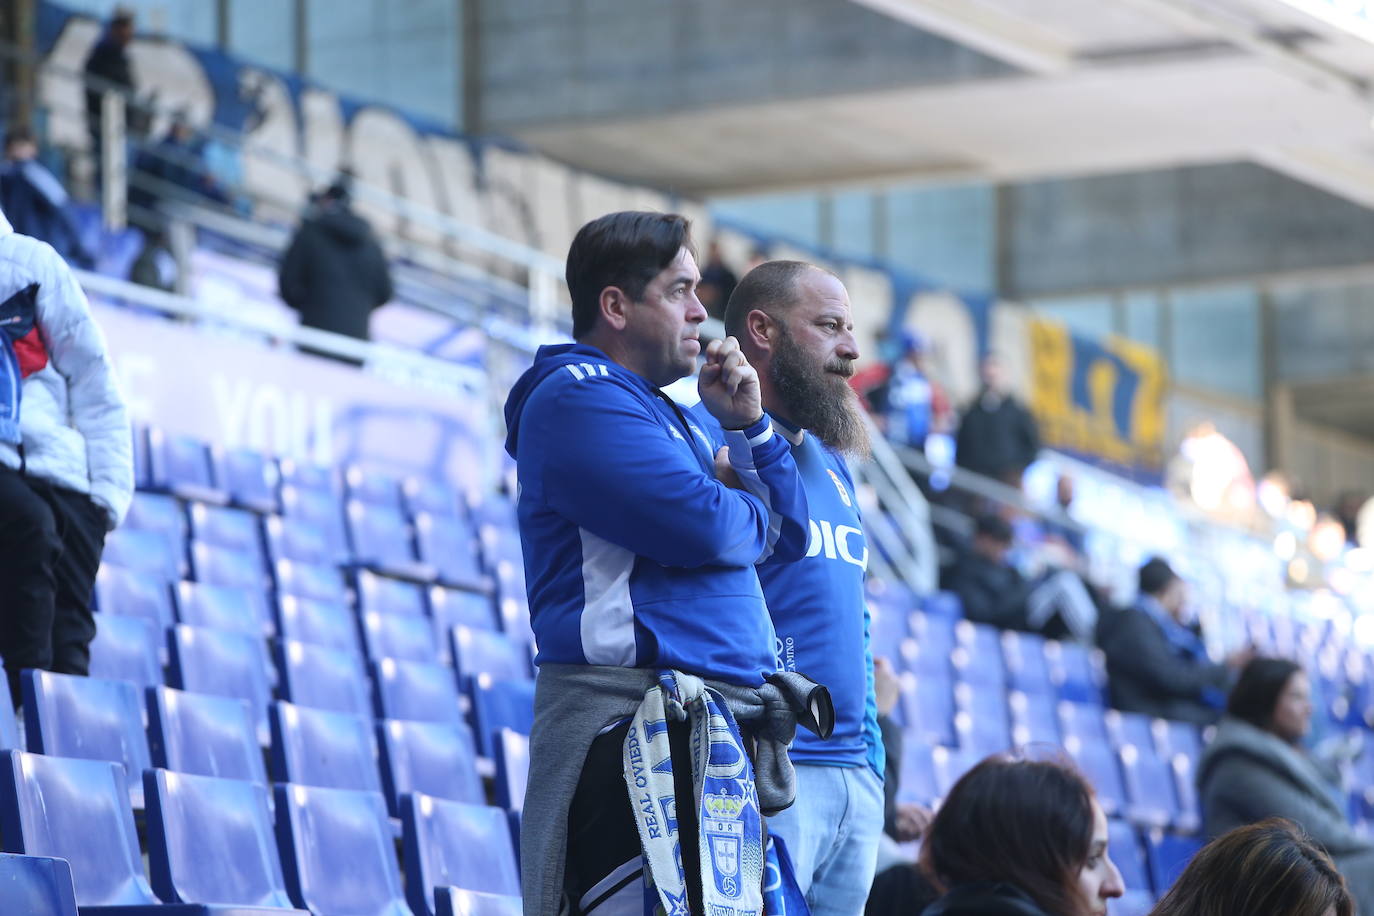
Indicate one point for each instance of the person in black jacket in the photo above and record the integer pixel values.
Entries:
(991, 589)
(334, 273)
(1020, 838)
(35, 201)
(1158, 665)
(997, 436)
(108, 68)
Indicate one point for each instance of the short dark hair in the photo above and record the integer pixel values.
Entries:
(992, 526)
(626, 250)
(18, 135)
(1269, 867)
(1155, 576)
(771, 287)
(1257, 690)
(1027, 823)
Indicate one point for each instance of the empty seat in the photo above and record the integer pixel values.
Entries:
(70, 716)
(1169, 854)
(160, 513)
(9, 723)
(224, 664)
(512, 769)
(484, 652)
(216, 565)
(498, 705)
(1035, 718)
(1131, 728)
(1027, 668)
(1149, 787)
(241, 609)
(945, 605)
(210, 841)
(416, 690)
(182, 465)
(436, 758)
(381, 539)
(452, 844)
(453, 901)
(1083, 722)
(1181, 738)
(1102, 767)
(134, 593)
(373, 489)
(917, 783)
(399, 636)
(949, 764)
(317, 747)
(389, 596)
(320, 581)
(145, 552)
(321, 623)
(323, 678)
(449, 545)
(927, 709)
(432, 496)
(204, 735)
(320, 508)
(318, 829)
(296, 539)
(250, 477)
(1077, 672)
(225, 527)
(1123, 846)
(306, 477)
(983, 716)
(454, 607)
(37, 886)
(126, 649)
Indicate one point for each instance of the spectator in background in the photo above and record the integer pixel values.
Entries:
(173, 169)
(1020, 838)
(717, 282)
(66, 465)
(108, 68)
(155, 266)
(1157, 664)
(990, 588)
(911, 404)
(334, 273)
(1256, 767)
(997, 436)
(1269, 867)
(36, 203)
(1069, 537)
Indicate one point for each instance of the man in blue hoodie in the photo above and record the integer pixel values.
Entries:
(795, 326)
(637, 555)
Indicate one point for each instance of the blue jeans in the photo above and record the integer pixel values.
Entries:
(832, 832)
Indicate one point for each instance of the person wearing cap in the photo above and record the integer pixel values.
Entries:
(1156, 663)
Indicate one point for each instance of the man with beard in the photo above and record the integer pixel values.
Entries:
(794, 325)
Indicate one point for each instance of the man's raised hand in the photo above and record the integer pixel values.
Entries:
(729, 386)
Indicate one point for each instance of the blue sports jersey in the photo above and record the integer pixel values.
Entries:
(635, 555)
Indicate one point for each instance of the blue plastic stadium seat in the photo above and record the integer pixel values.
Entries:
(36, 886)
(1085, 723)
(888, 628)
(1169, 854)
(436, 758)
(145, 552)
(514, 609)
(320, 623)
(204, 735)
(416, 691)
(381, 539)
(70, 716)
(1123, 846)
(320, 508)
(223, 664)
(399, 636)
(498, 705)
(319, 829)
(323, 678)
(311, 580)
(927, 707)
(1181, 738)
(512, 769)
(373, 489)
(944, 604)
(317, 747)
(449, 546)
(1149, 787)
(297, 539)
(238, 529)
(126, 649)
(77, 810)
(131, 593)
(1035, 719)
(9, 723)
(389, 596)
(453, 901)
(1101, 765)
(182, 465)
(1077, 672)
(242, 609)
(1027, 668)
(251, 479)
(315, 478)
(926, 657)
(1189, 817)
(484, 652)
(949, 764)
(433, 496)
(140, 455)
(452, 844)
(1131, 728)
(210, 841)
(215, 565)
(983, 717)
(453, 607)
(977, 658)
(917, 783)
(161, 513)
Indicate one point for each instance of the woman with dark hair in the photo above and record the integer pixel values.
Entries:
(1269, 867)
(1020, 838)
(1256, 768)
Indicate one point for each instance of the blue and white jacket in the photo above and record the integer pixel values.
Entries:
(635, 555)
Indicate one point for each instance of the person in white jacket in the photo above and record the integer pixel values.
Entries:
(66, 465)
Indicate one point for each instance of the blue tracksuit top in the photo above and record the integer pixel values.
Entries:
(818, 607)
(635, 555)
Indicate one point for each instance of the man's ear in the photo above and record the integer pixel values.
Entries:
(615, 307)
(760, 330)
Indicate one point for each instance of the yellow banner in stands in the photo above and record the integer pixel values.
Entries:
(1102, 400)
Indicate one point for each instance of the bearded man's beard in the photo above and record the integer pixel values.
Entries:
(819, 399)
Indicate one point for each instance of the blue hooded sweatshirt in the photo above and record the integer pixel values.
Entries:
(635, 555)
